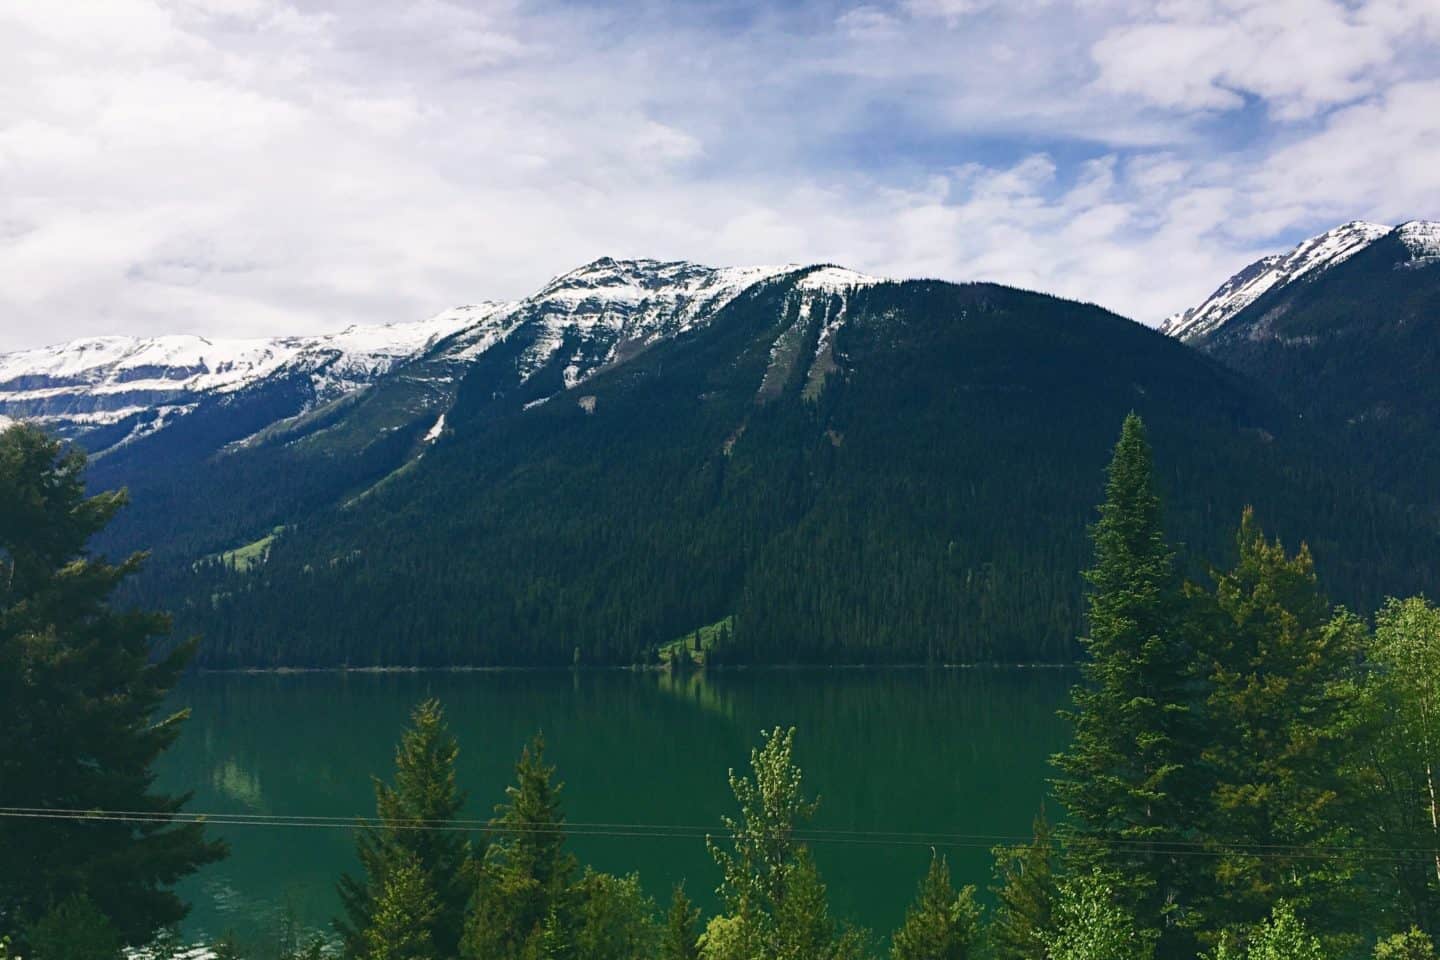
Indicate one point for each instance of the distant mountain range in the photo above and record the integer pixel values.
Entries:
(853, 469)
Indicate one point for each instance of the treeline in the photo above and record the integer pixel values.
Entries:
(1252, 774)
(928, 505)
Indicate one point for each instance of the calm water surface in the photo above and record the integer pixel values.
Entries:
(950, 751)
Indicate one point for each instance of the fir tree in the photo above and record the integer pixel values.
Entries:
(80, 686)
(614, 919)
(941, 924)
(424, 794)
(403, 917)
(1025, 894)
(681, 939)
(1284, 691)
(74, 930)
(526, 877)
(1129, 776)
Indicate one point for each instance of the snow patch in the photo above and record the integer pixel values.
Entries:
(1421, 238)
(835, 280)
(1314, 255)
(434, 433)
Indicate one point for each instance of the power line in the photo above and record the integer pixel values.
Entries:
(1166, 848)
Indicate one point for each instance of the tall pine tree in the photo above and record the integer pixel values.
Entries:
(1130, 776)
(524, 895)
(80, 687)
(424, 794)
(1284, 691)
(1025, 893)
(941, 924)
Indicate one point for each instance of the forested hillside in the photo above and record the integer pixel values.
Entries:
(1356, 349)
(888, 473)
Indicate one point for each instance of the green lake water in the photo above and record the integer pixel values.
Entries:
(900, 751)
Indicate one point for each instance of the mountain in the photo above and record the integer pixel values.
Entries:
(845, 470)
(143, 385)
(111, 391)
(842, 468)
(1314, 255)
(1352, 341)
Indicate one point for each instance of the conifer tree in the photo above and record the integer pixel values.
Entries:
(1284, 680)
(74, 930)
(681, 939)
(941, 924)
(403, 917)
(424, 794)
(1129, 778)
(80, 686)
(526, 877)
(1025, 895)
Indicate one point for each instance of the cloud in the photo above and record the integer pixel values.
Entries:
(279, 166)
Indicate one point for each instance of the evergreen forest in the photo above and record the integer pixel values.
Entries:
(1251, 774)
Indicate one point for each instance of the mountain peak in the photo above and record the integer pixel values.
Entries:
(1314, 255)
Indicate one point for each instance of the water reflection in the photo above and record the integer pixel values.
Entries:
(955, 751)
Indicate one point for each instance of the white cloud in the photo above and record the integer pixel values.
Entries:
(262, 166)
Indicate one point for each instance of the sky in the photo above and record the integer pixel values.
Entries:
(266, 167)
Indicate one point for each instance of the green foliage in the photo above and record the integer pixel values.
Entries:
(774, 898)
(614, 919)
(1090, 924)
(1130, 776)
(424, 793)
(941, 924)
(1025, 894)
(1283, 674)
(1403, 697)
(74, 930)
(403, 917)
(79, 693)
(1413, 944)
(680, 939)
(524, 892)
(1280, 937)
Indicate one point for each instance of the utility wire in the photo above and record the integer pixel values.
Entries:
(678, 832)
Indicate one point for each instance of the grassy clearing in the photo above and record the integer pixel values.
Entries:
(252, 554)
(685, 645)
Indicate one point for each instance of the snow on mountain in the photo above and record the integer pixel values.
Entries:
(1244, 288)
(599, 314)
(1421, 238)
(99, 380)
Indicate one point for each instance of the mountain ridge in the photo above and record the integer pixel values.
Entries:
(1305, 261)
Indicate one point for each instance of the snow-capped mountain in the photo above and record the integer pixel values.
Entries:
(1244, 288)
(117, 389)
(103, 380)
(1309, 259)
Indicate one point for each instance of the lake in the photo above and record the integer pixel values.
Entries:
(960, 751)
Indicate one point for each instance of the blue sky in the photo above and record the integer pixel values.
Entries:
(255, 167)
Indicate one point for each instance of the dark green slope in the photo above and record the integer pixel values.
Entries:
(1357, 350)
(929, 503)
